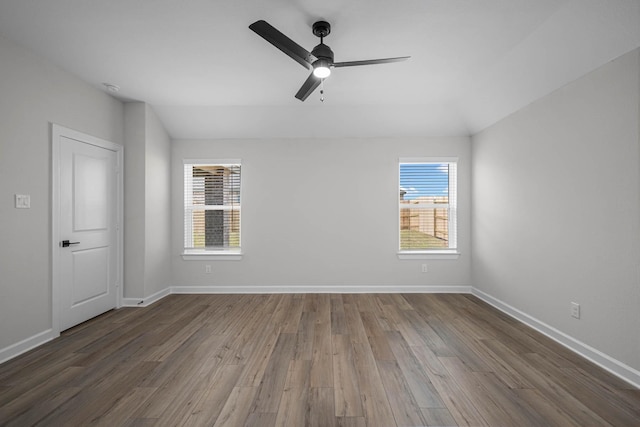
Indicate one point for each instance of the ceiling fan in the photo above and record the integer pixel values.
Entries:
(319, 60)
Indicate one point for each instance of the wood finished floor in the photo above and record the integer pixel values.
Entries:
(310, 360)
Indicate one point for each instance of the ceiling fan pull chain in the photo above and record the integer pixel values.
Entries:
(321, 90)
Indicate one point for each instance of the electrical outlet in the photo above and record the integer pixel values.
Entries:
(207, 268)
(575, 310)
(425, 269)
(23, 201)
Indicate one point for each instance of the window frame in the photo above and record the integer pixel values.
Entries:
(212, 253)
(436, 253)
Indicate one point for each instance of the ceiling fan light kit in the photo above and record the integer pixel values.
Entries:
(321, 69)
(319, 60)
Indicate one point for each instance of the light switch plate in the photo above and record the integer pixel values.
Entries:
(23, 201)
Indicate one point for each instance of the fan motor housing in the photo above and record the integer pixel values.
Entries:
(322, 51)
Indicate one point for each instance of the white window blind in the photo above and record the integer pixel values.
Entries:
(212, 205)
(427, 204)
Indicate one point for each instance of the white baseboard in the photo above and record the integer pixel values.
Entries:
(617, 368)
(27, 344)
(319, 289)
(144, 302)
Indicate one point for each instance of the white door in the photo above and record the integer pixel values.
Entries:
(88, 258)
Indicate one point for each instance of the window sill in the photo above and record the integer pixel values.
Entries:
(212, 255)
(441, 254)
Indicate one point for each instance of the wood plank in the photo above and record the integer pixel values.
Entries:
(287, 313)
(141, 422)
(213, 396)
(517, 409)
(89, 406)
(258, 359)
(39, 410)
(418, 382)
(345, 379)
(124, 409)
(243, 335)
(605, 389)
(338, 323)
(293, 407)
(459, 347)
(548, 382)
(438, 417)
(354, 324)
(351, 422)
(322, 359)
(187, 393)
(404, 407)
(305, 336)
(453, 396)
(429, 337)
(553, 413)
(401, 301)
(336, 301)
(34, 380)
(260, 419)
(338, 320)
(376, 336)
(489, 409)
(601, 401)
(47, 396)
(299, 375)
(376, 407)
(494, 363)
(397, 318)
(321, 408)
(236, 408)
(309, 359)
(272, 385)
(364, 302)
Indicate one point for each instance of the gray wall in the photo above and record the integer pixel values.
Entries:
(556, 214)
(147, 233)
(134, 199)
(321, 212)
(158, 206)
(35, 94)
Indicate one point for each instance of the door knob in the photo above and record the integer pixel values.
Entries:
(66, 243)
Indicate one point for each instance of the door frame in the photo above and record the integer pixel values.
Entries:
(57, 132)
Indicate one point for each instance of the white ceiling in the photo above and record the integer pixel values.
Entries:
(207, 75)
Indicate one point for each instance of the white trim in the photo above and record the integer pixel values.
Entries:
(334, 289)
(214, 208)
(606, 362)
(147, 301)
(429, 255)
(207, 162)
(427, 160)
(27, 344)
(420, 205)
(212, 256)
(58, 131)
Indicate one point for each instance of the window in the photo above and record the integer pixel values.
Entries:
(212, 207)
(427, 206)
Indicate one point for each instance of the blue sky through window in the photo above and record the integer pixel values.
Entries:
(424, 179)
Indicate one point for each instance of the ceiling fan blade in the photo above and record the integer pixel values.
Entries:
(284, 43)
(308, 87)
(370, 61)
